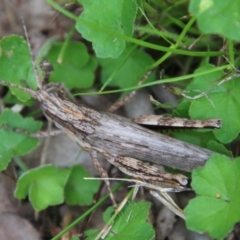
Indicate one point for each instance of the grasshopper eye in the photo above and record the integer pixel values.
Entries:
(46, 66)
(44, 106)
(53, 94)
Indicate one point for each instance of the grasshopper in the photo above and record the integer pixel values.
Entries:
(122, 141)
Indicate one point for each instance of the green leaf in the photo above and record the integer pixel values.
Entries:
(108, 214)
(129, 11)
(11, 99)
(132, 64)
(222, 17)
(202, 139)
(77, 67)
(194, 137)
(99, 26)
(48, 44)
(79, 191)
(16, 143)
(15, 120)
(5, 156)
(130, 224)
(219, 148)
(44, 185)
(74, 238)
(223, 103)
(182, 109)
(16, 64)
(216, 208)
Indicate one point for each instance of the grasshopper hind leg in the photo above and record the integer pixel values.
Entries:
(103, 174)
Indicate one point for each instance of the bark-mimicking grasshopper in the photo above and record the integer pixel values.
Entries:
(124, 143)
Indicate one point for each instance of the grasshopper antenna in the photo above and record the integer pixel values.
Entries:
(39, 84)
(29, 91)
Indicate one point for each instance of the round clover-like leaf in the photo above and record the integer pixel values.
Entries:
(130, 223)
(99, 26)
(16, 64)
(16, 143)
(223, 102)
(79, 191)
(216, 208)
(44, 185)
(222, 17)
(77, 67)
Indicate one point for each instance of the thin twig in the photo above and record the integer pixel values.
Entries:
(128, 97)
(39, 84)
(204, 94)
